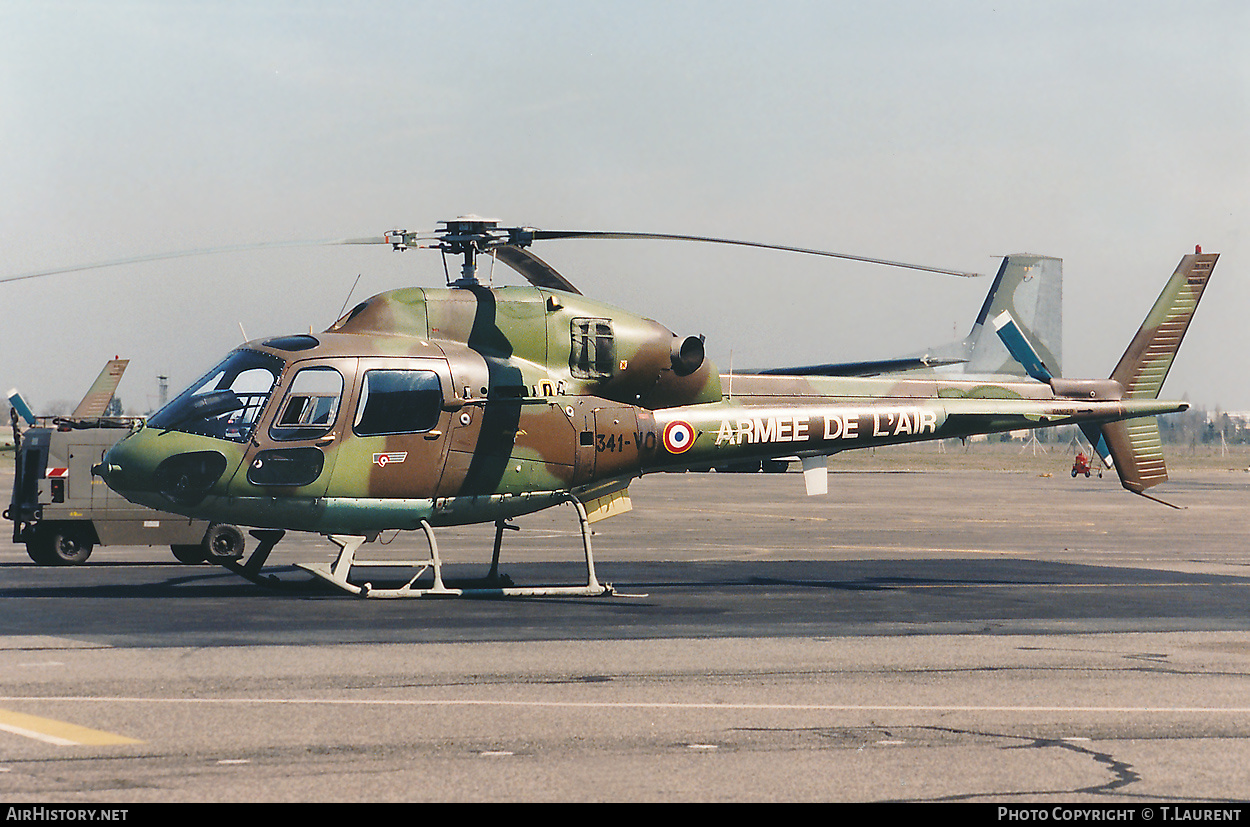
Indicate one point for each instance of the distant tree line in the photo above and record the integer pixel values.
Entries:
(1194, 427)
(1198, 426)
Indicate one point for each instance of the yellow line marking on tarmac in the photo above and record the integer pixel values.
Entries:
(59, 733)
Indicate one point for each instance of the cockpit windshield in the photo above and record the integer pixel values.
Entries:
(227, 401)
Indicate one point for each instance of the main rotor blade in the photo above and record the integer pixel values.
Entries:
(557, 234)
(536, 271)
(207, 251)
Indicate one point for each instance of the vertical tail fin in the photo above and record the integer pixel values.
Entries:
(1146, 363)
(1134, 447)
(1030, 288)
(101, 392)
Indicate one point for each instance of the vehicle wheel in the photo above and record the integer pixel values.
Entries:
(39, 550)
(1073, 473)
(191, 555)
(224, 542)
(61, 546)
(1086, 475)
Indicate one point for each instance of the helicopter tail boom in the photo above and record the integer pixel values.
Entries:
(765, 416)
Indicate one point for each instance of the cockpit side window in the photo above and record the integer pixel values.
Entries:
(227, 401)
(398, 402)
(311, 406)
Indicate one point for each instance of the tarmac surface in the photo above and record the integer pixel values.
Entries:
(919, 634)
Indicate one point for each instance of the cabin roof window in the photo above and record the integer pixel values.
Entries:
(300, 341)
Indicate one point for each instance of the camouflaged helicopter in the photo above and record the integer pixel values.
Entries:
(423, 408)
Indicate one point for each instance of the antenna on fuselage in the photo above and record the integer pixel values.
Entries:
(349, 295)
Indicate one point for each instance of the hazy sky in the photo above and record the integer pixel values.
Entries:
(1115, 135)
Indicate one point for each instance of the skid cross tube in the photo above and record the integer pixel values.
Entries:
(340, 570)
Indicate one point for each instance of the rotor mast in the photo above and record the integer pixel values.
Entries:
(469, 235)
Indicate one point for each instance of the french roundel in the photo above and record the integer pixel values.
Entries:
(678, 437)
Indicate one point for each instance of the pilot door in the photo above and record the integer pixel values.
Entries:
(293, 454)
(394, 439)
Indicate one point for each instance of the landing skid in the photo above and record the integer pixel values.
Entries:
(251, 569)
(339, 572)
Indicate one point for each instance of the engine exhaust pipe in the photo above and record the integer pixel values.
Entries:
(687, 355)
